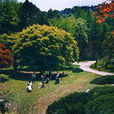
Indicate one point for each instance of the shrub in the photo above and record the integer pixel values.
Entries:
(104, 80)
(68, 105)
(74, 68)
(101, 105)
(100, 91)
(77, 70)
(76, 102)
(10, 99)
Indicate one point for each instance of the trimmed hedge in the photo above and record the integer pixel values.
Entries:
(104, 80)
(73, 68)
(76, 102)
(101, 105)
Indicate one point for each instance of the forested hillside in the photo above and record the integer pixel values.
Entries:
(79, 21)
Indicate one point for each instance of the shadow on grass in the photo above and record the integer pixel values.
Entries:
(103, 80)
(26, 76)
(3, 80)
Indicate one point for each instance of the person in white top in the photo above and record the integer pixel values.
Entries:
(30, 83)
(29, 88)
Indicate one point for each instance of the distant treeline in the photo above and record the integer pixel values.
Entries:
(15, 16)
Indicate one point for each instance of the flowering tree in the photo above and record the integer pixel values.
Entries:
(5, 56)
(105, 10)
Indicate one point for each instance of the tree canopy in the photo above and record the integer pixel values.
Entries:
(5, 56)
(106, 9)
(46, 47)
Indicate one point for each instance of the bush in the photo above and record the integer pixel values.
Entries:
(100, 91)
(10, 99)
(101, 105)
(104, 80)
(77, 70)
(76, 102)
(68, 105)
(74, 68)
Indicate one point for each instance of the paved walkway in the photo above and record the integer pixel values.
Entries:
(86, 67)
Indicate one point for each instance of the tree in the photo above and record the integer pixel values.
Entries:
(81, 35)
(66, 23)
(8, 16)
(5, 56)
(105, 13)
(78, 28)
(53, 14)
(105, 10)
(44, 47)
(109, 48)
(30, 14)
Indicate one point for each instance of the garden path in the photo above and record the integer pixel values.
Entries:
(86, 67)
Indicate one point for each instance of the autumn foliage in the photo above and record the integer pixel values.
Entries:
(105, 10)
(5, 56)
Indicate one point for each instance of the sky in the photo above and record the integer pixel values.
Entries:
(45, 5)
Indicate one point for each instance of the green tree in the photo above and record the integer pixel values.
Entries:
(109, 48)
(53, 14)
(44, 47)
(8, 16)
(81, 36)
(30, 14)
(66, 23)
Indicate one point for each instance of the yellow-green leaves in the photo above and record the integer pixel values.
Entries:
(45, 47)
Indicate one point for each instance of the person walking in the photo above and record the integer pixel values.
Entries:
(57, 78)
(33, 76)
(43, 79)
(50, 75)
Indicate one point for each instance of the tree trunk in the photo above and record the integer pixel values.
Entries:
(15, 67)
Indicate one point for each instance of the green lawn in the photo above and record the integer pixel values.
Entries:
(25, 99)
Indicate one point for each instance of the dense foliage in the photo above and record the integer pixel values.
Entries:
(5, 56)
(45, 47)
(104, 80)
(84, 103)
(105, 10)
(9, 18)
(103, 104)
(10, 99)
(15, 16)
(78, 27)
(90, 35)
(94, 39)
(79, 21)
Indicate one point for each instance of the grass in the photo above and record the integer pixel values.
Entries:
(26, 100)
(101, 64)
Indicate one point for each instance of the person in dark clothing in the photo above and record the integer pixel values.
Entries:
(33, 76)
(57, 78)
(50, 75)
(43, 79)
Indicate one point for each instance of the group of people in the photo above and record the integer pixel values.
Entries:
(44, 79)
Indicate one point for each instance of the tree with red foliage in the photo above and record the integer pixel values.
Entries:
(5, 56)
(106, 9)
